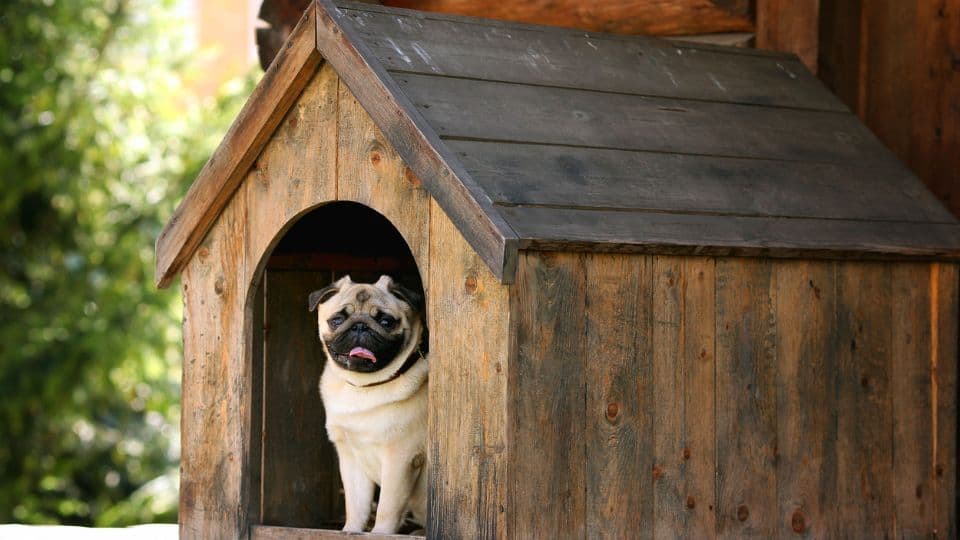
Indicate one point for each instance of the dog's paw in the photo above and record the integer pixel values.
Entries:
(350, 528)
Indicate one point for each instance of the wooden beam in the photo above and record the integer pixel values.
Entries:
(897, 64)
(678, 17)
(789, 26)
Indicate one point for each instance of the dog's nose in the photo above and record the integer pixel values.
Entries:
(359, 327)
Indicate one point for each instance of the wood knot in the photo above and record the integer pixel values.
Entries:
(471, 284)
(411, 178)
(798, 522)
(375, 157)
(743, 512)
(657, 472)
(613, 410)
(816, 290)
(417, 461)
(219, 286)
(691, 503)
(686, 453)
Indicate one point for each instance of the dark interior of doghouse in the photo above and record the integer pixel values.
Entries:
(298, 483)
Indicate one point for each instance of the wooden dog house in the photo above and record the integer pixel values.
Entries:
(673, 290)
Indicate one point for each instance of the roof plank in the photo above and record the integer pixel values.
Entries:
(522, 55)
(534, 174)
(466, 108)
(221, 176)
(567, 229)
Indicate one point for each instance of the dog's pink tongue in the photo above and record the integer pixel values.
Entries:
(360, 352)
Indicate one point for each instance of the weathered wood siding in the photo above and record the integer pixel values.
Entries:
(659, 396)
(469, 320)
(228, 480)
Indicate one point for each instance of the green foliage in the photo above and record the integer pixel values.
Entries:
(99, 138)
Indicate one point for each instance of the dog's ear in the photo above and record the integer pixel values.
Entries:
(409, 296)
(322, 295)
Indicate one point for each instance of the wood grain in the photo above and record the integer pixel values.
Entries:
(895, 64)
(636, 17)
(523, 54)
(641, 232)
(746, 330)
(806, 342)
(301, 480)
(415, 141)
(470, 360)
(262, 532)
(216, 383)
(546, 428)
(551, 175)
(684, 376)
(945, 317)
(471, 109)
(370, 172)
(619, 395)
(226, 169)
(790, 26)
(281, 184)
(910, 394)
(864, 424)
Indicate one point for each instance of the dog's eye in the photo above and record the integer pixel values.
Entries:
(387, 322)
(335, 321)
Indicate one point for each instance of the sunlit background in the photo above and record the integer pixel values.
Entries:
(109, 109)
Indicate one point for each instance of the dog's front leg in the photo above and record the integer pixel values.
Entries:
(399, 473)
(357, 492)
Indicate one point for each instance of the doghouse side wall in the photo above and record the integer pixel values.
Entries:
(732, 397)
(326, 149)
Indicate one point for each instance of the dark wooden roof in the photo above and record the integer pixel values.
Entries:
(535, 137)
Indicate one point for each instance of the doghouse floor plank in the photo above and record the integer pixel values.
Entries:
(263, 532)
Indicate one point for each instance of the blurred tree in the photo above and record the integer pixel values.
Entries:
(99, 137)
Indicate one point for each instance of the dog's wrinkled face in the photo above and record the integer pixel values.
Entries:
(367, 327)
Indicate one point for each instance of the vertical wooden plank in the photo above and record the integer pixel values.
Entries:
(806, 398)
(301, 480)
(895, 63)
(910, 391)
(684, 405)
(746, 399)
(469, 321)
(283, 182)
(789, 26)
(945, 316)
(371, 172)
(842, 45)
(864, 425)
(216, 380)
(699, 359)
(619, 398)
(546, 388)
(257, 341)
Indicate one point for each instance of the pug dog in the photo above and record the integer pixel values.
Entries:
(374, 390)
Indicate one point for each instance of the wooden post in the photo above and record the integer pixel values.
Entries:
(789, 26)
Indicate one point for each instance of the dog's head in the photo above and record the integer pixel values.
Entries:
(368, 327)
